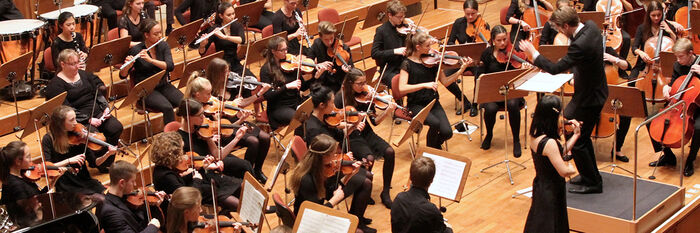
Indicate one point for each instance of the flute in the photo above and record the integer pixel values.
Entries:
(212, 32)
(137, 56)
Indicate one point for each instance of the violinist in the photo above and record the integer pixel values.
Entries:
(61, 146)
(115, 213)
(314, 179)
(284, 96)
(491, 63)
(165, 96)
(367, 145)
(685, 58)
(324, 52)
(81, 87)
(168, 157)
(388, 45)
(184, 208)
(285, 20)
(14, 160)
(585, 58)
(68, 38)
(129, 23)
(418, 82)
(458, 35)
(516, 10)
(651, 27)
(227, 39)
(323, 99)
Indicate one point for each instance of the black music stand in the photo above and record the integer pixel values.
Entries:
(13, 71)
(623, 101)
(495, 87)
(415, 126)
(303, 112)
(104, 55)
(199, 64)
(139, 92)
(258, 47)
(253, 10)
(184, 35)
(350, 25)
(376, 14)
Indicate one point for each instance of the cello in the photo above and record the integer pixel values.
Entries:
(612, 10)
(652, 81)
(668, 128)
(534, 16)
(683, 18)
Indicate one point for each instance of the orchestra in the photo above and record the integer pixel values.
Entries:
(286, 103)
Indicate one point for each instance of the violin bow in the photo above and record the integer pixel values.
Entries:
(245, 61)
(376, 86)
(213, 199)
(189, 129)
(442, 56)
(87, 128)
(510, 53)
(143, 189)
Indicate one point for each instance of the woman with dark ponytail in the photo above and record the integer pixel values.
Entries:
(14, 158)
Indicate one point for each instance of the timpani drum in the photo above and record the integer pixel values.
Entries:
(85, 18)
(18, 37)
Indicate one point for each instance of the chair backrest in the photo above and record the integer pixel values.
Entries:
(267, 31)
(395, 87)
(186, 15)
(172, 126)
(211, 50)
(48, 60)
(283, 211)
(328, 14)
(113, 34)
(298, 147)
(504, 17)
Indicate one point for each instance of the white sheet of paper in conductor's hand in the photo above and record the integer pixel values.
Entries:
(448, 176)
(545, 82)
(251, 204)
(318, 222)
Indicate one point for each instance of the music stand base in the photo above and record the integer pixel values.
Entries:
(613, 166)
(505, 162)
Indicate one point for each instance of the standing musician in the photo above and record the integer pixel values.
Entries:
(412, 210)
(285, 20)
(516, 10)
(683, 49)
(130, 22)
(388, 45)
(323, 51)
(184, 208)
(165, 96)
(14, 160)
(500, 48)
(63, 147)
(172, 170)
(366, 144)
(651, 27)
(9, 11)
(585, 58)
(199, 9)
(459, 35)
(68, 38)
(418, 82)
(227, 39)
(284, 97)
(86, 95)
(316, 179)
(115, 213)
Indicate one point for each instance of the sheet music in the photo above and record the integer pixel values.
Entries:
(545, 82)
(318, 222)
(448, 176)
(251, 203)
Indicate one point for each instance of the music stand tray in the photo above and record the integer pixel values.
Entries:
(324, 217)
(15, 69)
(350, 25)
(107, 53)
(42, 113)
(253, 10)
(142, 89)
(623, 101)
(553, 52)
(416, 124)
(199, 64)
(597, 16)
(303, 112)
(472, 50)
(184, 35)
(258, 47)
(376, 14)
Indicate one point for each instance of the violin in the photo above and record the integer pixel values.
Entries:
(653, 81)
(205, 224)
(350, 114)
(96, 141)
(382, 100)
(516, 58)
(36, 171)
(406, 27)
(212, 107)
(191, 160)
(136, 198)
(209, 128)
(291, 64)
(342, 163)
(249, 82)
(478, 30)
(337, 51)
(432, 58)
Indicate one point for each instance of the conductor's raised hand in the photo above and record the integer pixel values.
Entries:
(527, 47)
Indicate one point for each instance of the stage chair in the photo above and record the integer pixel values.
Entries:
(48, 60)
(284, 213)
(298, 148)
(331, 15)
(504, 17)
(113, 34)
(172, 127)
(267, 31)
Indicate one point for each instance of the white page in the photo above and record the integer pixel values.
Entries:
(251, 204)
(448, 176)
(545, 82)
(314, 221)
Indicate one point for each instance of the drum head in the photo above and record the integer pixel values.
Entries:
(78, 11)
(19, 26)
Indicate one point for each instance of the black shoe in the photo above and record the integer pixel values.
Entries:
(386, 199)
(622, 158)
(260, 176)
(397, 122)
(587, 189)
(365, 221)
(662, 162)
(458, 112)
(474, 111)
(486, 144)
(271, 209)
(371, 201)
(576, 180)
(567, 157)
(367, 229)
(517, 151)
(689, 169)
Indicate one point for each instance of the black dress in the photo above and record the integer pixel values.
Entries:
(16, 188)
(440, 129)
(133, 29)
(281, 102)
(168, 180)
(319, 52)
(59, 45)
(548, 209)
(365, 142)
(233, 166)
(281, 22)
(81, 182)
(230, 48)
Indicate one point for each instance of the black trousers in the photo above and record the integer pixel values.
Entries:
(583, 151)
(439, 129)
(491, 109)
(280, 116)
(164, 99)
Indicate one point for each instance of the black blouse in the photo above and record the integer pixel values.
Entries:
(81, 182)
(308, 192)
(133, 29)
(230, 49)
(281, 22)
(490, 64)
(80, 95)
(279, 95)
(314, 126)
(59, 45)
(198, 9)
(419, 73)
(200, 145)
(319, 52)
(459, 32)
(142, 69)
(15, 188)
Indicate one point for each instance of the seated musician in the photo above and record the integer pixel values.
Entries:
(68, 38)
(388, 45)
(284, 97)
(685, 63)
(129, 23)
(9, 11)
(366, 144)
(549, 32)
(86, 94)
(418, 82)
(412, 210)
(227, 39)
(314, 180)
(611, 57)
(217, 72)
(165, 96)
(285, 20)
(265, 17)
(63, 147)
(109, 8)
(199, 9)
(515, 13)
(115, 213)
(184, 208)
(14, 160)
(173, 170)
(332, 73)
